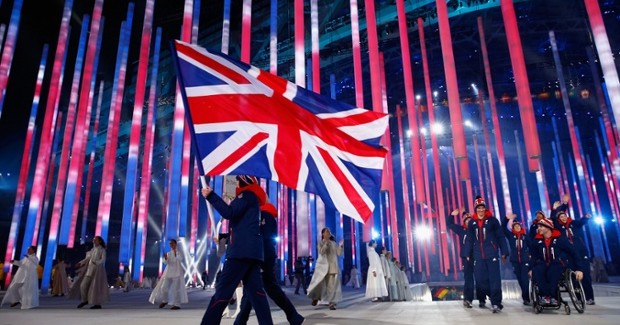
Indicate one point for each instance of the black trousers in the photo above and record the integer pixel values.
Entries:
(488, 280)
(520, 270)
(274, 292)
(301, 281)
(234, 271)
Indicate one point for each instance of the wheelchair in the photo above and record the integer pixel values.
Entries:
(569, 285)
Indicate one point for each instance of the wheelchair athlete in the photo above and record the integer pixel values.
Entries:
(550, 256)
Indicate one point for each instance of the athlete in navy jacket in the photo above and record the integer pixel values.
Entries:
(519, 244)
(244, 254)
(484, 238)
(550, 255)
(468, 263)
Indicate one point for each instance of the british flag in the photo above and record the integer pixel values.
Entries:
(248, 121)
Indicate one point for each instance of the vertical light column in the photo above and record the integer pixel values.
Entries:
(314, 35)
(82, 150)
(195, 21)
(2, 30)
(302, 211)
(526, 196)
(560, 155)
(65, 153)
(526, 107)
(114, 117)
(591, 182)
(426, 209)
(577, 153)
(612, 182)
(478, 167)
(375, 81)
(499, 144)
(226, 27)
(558, 172)
(246, 30)
(317, 209)
(359, 93)
(47, 130)
(25, 167)
(76, 165)
(179, 157)
(603, 48)
(147, 165)
(583, 177)
(431, 121)
(487, 144)
(403, 178)
(49, 180)
(521, 206)
(542, 189)
(134, 137)
(609, 186)
(612, 146)
(189, 24)
(454, 101)
(273, 38)
(91, 164)
(389, 173)
(416, 172)
(9, 47)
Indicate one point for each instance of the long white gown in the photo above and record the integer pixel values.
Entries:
(25, 285)
(375, 283)
(171, 287)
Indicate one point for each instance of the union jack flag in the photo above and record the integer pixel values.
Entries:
(248, 121)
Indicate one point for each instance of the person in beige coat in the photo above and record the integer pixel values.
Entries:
(60, 285)
(326, 282)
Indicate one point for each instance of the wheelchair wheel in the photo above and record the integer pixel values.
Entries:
(575, 291)
(534, 298)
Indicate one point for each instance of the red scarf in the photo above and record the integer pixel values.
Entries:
(256, 189)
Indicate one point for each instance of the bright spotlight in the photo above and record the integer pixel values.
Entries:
(475, 88)
(437, 128)
(278, 239)
(435, 93)
(423, 131)
(375, 234)
(599, 220)
(422, 233)
(469, 124)
(409, 133)
(418, 97)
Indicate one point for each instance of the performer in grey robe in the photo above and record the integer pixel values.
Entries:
(94, 287)
(326, 283)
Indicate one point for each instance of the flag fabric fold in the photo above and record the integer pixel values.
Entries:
(248, 121)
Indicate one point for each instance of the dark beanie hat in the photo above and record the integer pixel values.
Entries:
(245, 180)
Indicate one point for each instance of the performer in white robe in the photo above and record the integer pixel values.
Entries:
(354, 280)
(170, 289)
(404, 283)
(326, 283)
(24, 288)
(375, 281)
(392, 283)
(387, 274)
(94, 287)
(127, 280)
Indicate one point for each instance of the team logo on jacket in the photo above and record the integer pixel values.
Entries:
(240, 196)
